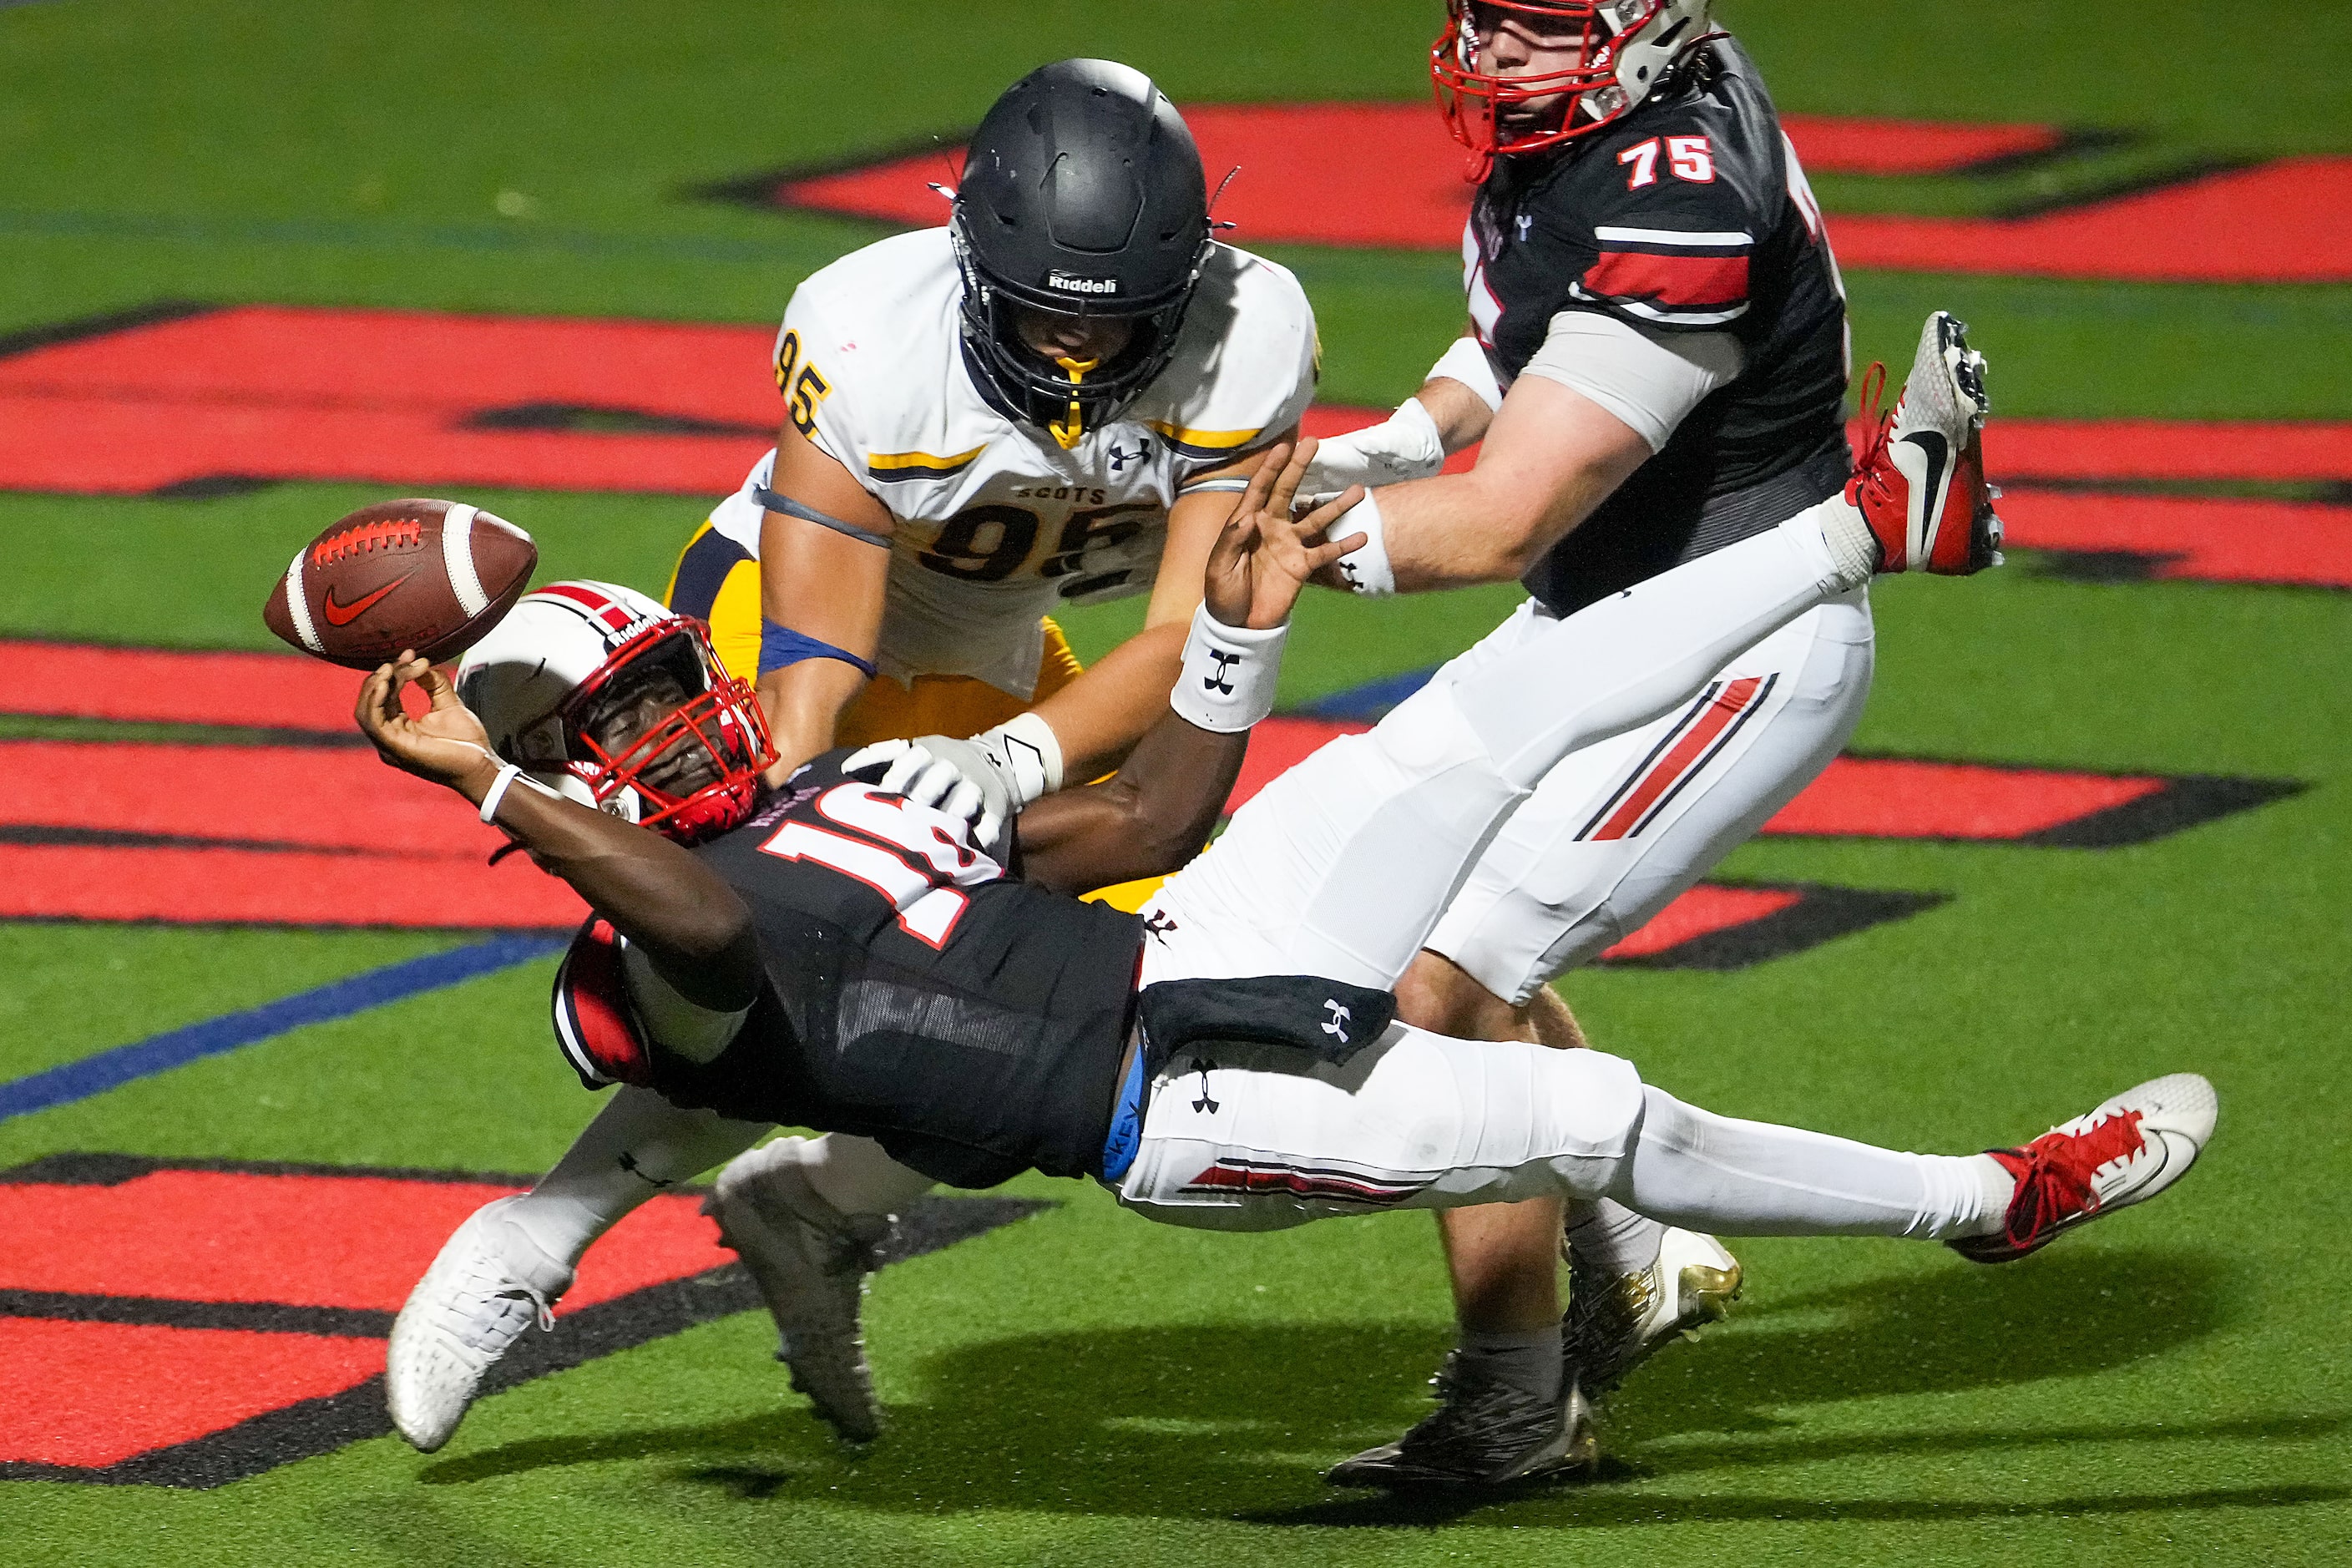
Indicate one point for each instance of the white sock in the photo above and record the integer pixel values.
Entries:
(1612, 1239)
(856, 1177)
(638, 1144)
(1690, 1167)
(1847, 536)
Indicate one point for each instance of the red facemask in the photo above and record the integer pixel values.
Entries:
(695, 768)
(1499, 115)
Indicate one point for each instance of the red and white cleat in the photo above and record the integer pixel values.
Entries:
(2125, 1152)
(1920, 483)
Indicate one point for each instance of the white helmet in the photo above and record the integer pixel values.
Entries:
(615, 701)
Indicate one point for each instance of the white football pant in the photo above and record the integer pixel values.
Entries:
(1342, 865)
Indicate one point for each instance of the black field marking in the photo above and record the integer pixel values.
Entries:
(1822, 914)
(218, 486)
(2093, 193)
(764, 191)
(99, 326)
(312, 1426)
(2186, 801)
(158, 1312)
(581, 418)
(129, 838)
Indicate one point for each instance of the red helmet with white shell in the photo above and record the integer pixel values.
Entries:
(617, 702)
(1617, 53)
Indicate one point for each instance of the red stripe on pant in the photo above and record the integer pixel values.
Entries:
(1728, 705)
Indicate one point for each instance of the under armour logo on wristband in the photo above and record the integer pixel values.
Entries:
(1336, 1026)
(1204, 1103)
(1226, 662)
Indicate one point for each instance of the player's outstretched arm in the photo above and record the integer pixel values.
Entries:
(821, 592)
(1155, 813)
(694, 928)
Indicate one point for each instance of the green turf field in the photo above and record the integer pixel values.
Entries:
(1084, 1388)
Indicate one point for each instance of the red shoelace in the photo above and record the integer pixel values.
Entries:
(2054, 1175)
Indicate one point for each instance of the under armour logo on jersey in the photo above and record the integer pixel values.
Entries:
(1336, 1025)
(1119, 460)
(1226, 661)
(1204, 1103)
(1527, 221)
(1159, 923)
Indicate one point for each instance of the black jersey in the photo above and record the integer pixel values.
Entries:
(915, 992)
(1689, 215)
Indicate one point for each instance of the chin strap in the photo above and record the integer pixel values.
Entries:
(1070, 433)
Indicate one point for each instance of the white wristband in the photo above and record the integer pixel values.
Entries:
(1466, 362)
(1366, 567)
(507, 775)
(1027, 752)
(1227, 684)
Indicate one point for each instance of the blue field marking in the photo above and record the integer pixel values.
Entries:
(1367, 701)
(231, 1031)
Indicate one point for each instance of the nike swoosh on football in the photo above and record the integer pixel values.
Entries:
(344, 615)
(1937, 451)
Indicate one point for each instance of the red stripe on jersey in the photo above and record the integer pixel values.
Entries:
(1728, 705)
(1682, 283)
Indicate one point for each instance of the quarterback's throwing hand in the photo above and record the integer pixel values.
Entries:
(1265, 557)
(446, 743)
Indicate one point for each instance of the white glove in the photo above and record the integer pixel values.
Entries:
(955, 778)
(1405, 446)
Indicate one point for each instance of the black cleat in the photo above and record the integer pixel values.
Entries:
(1482, 1433)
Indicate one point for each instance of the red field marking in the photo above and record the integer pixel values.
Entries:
(1835, 145)
(2288, 222)
(190, 1326)
(355, 1242)
(1387, 175)
(316, 796)
(2020, 449)
(2282, 543)
(205, 887)
(244, 421)
(91, 1395)
(1704, 910)
(280, 392)
(263, 690)
(1885, 797)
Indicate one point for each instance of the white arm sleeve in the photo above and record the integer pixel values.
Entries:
(693, 1031)
(1651, 380)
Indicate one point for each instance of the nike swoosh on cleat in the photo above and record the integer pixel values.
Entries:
(1937, 451)
(344, 615)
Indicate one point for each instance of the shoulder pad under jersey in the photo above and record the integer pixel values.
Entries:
(1245, 367)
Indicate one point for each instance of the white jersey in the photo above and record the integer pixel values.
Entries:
(996, 524)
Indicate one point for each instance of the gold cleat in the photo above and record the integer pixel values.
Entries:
(1616, 1322)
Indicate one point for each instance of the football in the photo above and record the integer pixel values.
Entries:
(433, 575)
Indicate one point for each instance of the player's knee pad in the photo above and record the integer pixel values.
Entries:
(1593, 1104)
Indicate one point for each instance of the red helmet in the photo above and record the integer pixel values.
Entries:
(1624, 49)
(615, 701)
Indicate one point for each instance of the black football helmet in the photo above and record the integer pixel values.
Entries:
(1082, 196)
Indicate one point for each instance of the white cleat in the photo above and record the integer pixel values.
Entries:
(2125, 1151)
(488, 1284)
(1617, 1321)
(810, 1261)
(1920, 483)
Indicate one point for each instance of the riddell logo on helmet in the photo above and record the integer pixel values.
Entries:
(1064, 281)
